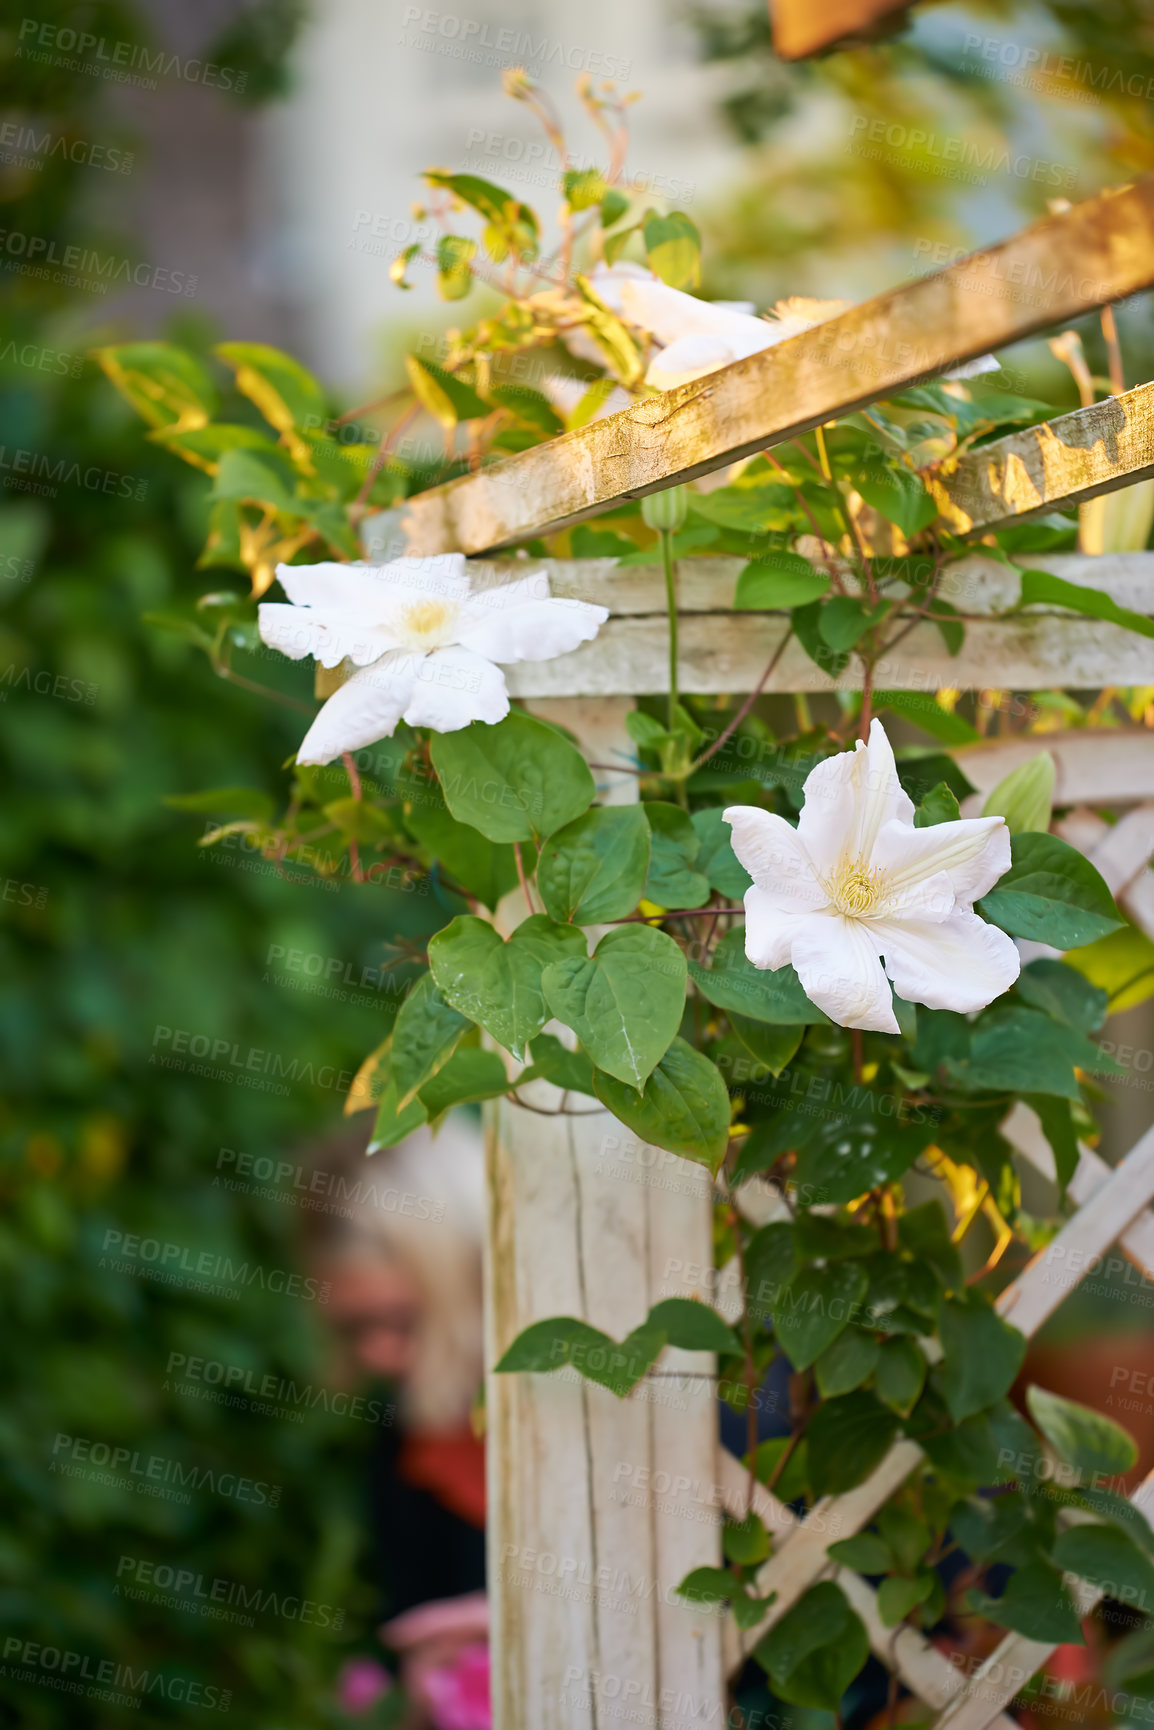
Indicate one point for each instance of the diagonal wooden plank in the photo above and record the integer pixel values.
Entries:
(1025, 1132)
(1063, 461)
(1027, 1302)
(1091, 254)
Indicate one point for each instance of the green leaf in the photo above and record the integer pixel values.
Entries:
(848, 1437)
(1061, 991)
(807, 629)
(1023, 1051)
(593, 869)
(1025, 797)
(733, 982)
(844, 620)
(448, 398)
(843, 1160)
(497, 982)
(692, 1326)
(673, 249)
(816, 1650)
(1057, 1123)
(469, 1076)
(672, 881)
(513, 781)
(865, 1553)
(709, 1586)
(284, 391)
(613, 208)
(745, 1542)
(1035, 1603)
(563, 1340)
(814, 1308)
(789, 1483)
(535, 409)
(899, 496)
(399, 266)
(846, 1364)
(925, 712)
(455, 254)
(165, 384)
(716, 860)
(203, 446)
(1109, 1560)
(555, 1063)
(1052, 894)
(983, 1355)
(773, 1047)
(818, 1238)
(424, 1038)
(583, 188)
(1083, 1438)
(683, 1106)
(393, 1124)
(925, 1232)
(1039, 587)
(263, 478)
(610, 334)
(770, 1264)
(777, 582)
(624, 1002)
(939, 806)
(483, 867)
(510, 225)
(1122, 965)
(897, 1597)
(901, 1375)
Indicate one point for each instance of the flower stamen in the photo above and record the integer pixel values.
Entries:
(427, 624)
(858, 889)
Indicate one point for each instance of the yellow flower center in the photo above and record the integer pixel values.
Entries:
(858, 889)
(427, 624)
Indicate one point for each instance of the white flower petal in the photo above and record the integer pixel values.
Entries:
(344, 588)
(529, 631)
(837, 962)
(668, 314)
(452, 687)
(366, 708)
(329, 637)
(772, 853)
(769, 929)
(973, 852)
(961, 964)
(848, 799)
(688, 358)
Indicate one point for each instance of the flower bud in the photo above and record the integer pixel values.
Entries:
(666, 510)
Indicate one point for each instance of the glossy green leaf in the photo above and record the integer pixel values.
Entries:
(673, 249)
(814, 1308)
(394, 1123)
(898, 1596)
(1052, 894)
(675, 843)
(898, 495)
(518, 779)
(448, 398)
(1025, 796)
(733, 982)
(845, 1364)
(486, 869)
(865, 1553)
(593, 870)
(263, 478)
(901, 1375)
(692, 1326)
(1061, 991)
(843, 1160)
(847, 1438)
(716, 859)
(777, 582)
(1042, 589)
(166, 385)
(496, 982)
(1084, 1438)
(1109, 1560)
(624, 1002)
(772, 1047)
(815, 1651)
(469, 1076)
(425, 1036)
(555, 1063)
(284, 391)
(683, 1107)
(983, 1355)
(1035, 1603)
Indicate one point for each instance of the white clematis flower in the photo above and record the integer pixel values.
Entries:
(424, 639)
(855, 882)
(700, 336)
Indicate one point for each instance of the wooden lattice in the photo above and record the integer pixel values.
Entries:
(568, 1232)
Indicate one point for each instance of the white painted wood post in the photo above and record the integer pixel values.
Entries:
(598, 1507)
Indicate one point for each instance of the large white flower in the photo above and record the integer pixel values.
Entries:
(424, 638)
(855, 881)
(699, 336)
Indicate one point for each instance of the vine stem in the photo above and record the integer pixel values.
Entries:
(524, 881)
(358, 793)
(723, 738)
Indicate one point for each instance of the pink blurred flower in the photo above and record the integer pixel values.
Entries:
(362, 1682)
(458, 1693)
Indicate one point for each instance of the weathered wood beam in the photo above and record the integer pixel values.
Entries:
(1096, 252)
(1059, 463)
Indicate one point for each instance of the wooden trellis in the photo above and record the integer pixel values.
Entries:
(587, 1538)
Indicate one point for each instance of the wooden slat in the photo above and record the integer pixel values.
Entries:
(727, 652)
(1106, 766)
(1023, 1130)
(1094, 253)
(1071, 459)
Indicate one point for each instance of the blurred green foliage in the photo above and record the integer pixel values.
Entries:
(114, 925)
